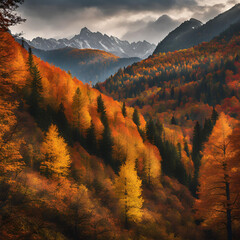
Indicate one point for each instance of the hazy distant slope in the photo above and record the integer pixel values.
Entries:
(86, 64)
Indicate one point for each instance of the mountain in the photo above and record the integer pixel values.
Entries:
(96, 40)
(85, 64)
(174, 38)
(154, 31)
(188, 35)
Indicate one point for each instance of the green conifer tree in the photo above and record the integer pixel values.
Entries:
(100, 104)
(35, 85)
(173, 121)
(214, 116)
(106, 146)
(91, 139)
(151, 131)
(124, 110)
(196, 155)
(136, 119)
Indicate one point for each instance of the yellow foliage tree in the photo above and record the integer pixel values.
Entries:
(81, 117)
(120, 149)
(128, 189)
(55, 153)
(152, 163)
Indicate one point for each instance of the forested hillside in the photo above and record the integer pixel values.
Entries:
(73, 163)
(181, 82)
(186, 93)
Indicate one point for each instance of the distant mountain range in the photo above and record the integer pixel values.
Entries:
(92, 56)
(96, 40)
(85, 64)
(154, 31)
(193, 32)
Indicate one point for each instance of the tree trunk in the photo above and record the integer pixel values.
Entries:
(126, 217)
(229, 217)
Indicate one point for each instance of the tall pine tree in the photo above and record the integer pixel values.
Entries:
(151, 131)
(196, 155)
(136, 119)
(77, 106)
(214, 116)
(102, 110)
(124, 110)
(106, 146)
(100, 104)
(35, 85)
(91, 139)
(106, 143)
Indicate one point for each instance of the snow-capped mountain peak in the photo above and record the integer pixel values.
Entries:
(96, 40)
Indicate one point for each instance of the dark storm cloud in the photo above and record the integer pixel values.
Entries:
(106, 6)
(65, 18)
(205, 13)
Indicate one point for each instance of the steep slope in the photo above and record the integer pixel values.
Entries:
(85, 204)
(185, 37)
(96, 40)
(86, 64)
(173, 40)
(184, 91)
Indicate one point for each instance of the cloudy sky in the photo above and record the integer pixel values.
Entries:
(65, 18)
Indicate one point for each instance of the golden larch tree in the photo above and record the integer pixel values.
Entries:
(55, 154)
(81, 117)
(217, 193)
(129, 190)
(152, 163)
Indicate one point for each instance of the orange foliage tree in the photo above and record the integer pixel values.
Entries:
(10, 142)
(235, 176)
(218, 191)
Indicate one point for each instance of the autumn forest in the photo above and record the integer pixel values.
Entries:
(152, 152)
